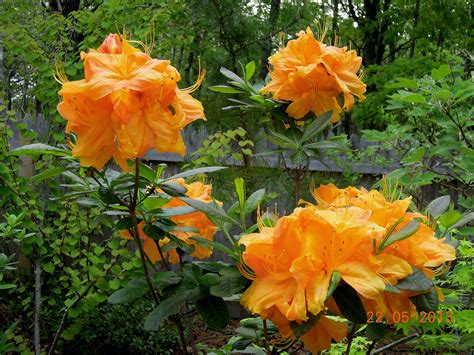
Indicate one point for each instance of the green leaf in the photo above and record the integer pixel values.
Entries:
(415, 156)
(48, 174)
(320, 123)
(209, 209)
(176, 211)
(126, 223)
(225, 89)
(426, 302)
(249, 70)
(6, 286)
(300, 329)
(193, 172)
(417, 282)
(231, 75)
(231, 282)
(350, 304)
(403, 83)
(147, 173)
(169, 307)
(335, 279)
(447, 219)
(253, 201)
(441, 72)
(240, 190)
(414, 98)
(214, 311)
(129, 293)
(438, 206)
(39, 149)
(391, 289)
(48, 267)
(404, 233)
(154, 202)
(464, 220)
(211, 243)
(173, 188)
(166, 278)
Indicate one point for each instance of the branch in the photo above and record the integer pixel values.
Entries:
(63, 319)
(352, 11)
(391, 345)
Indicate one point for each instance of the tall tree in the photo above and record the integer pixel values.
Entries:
(267, 43)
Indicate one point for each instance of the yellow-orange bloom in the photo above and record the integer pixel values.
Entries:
(126, 104)
(197, 220)
(422, 249)
(293, 263)
(311, 76)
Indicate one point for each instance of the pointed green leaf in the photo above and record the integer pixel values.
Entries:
(417, 282)
(129, 293)
(300, 329)
(441, 72)
(231, 75)
(240, 190)
(169, 307)
(319, 123)
(214, 311)
(447, 219)
(175, 211)
(48, 174)
(147, 173)
(404, 233)
(253, 201)
(426, 302)
(249, 70)
(350, 304)
(209, 209)
(193, 172)
(438, 206)
(225, 89)
(335, 279)
(166, 278)
(172, 188)
(39, 149)
(464, 220)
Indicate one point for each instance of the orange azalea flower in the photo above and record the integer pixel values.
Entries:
(127, 104)
(198, 191)
(293, 263)
(312, 75)
(422, 249)
(198, 220)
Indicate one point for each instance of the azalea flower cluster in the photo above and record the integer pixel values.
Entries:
(312, 75)
(292, 263)
(126, 104)
(197, 220)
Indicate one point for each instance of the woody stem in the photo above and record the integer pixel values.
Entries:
(136, 237)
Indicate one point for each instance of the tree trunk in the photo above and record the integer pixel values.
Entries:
(267, 45)
(37, 314)
(335, 16)
(416, 13)
(375, 24)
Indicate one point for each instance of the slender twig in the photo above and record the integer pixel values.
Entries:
(391, 345)
(350, 339)
(65, 314)
(265, 337)
(371, 347)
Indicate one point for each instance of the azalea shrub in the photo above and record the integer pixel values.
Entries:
(350, 260)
